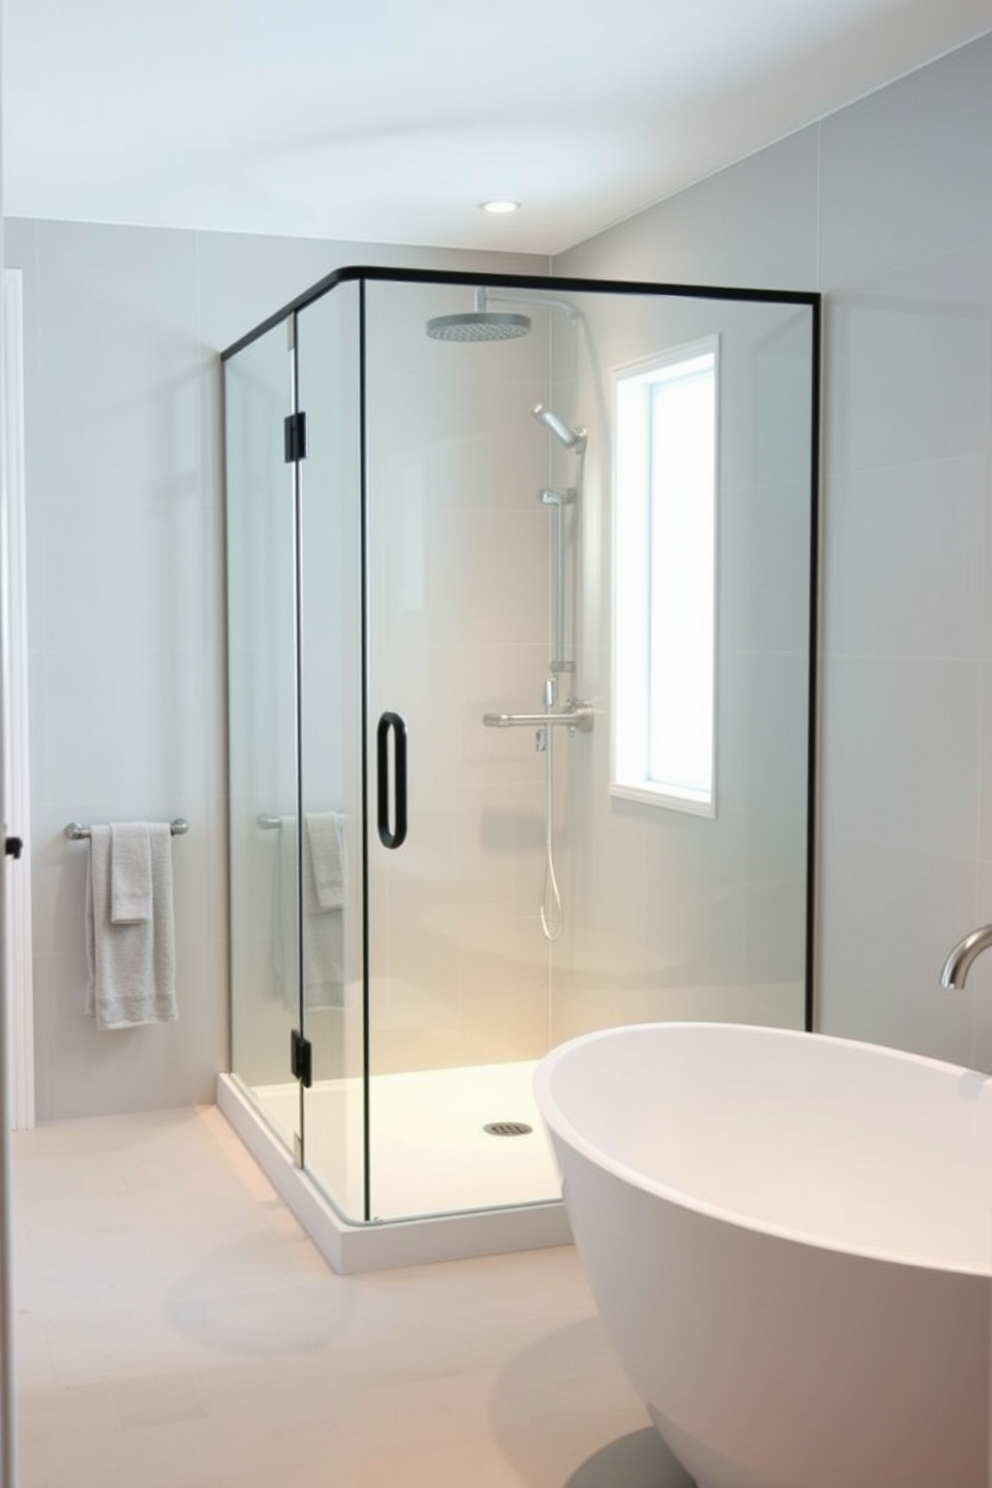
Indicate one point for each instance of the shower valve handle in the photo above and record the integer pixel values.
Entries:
(577, 716)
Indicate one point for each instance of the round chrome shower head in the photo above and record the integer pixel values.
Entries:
(478, 325)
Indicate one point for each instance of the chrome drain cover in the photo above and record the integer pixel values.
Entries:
(507, 1128)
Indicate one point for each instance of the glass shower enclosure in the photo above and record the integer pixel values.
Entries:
(448, 510)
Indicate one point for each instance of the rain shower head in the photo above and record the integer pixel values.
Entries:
(483, 324)
(478, 325)
(573, 439)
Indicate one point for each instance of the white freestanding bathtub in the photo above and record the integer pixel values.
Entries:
(789, 1240)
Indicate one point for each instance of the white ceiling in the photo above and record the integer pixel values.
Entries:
(389, 120)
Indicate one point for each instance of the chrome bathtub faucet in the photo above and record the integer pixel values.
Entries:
(958, 963)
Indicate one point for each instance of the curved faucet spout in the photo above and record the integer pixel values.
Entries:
(958, 964)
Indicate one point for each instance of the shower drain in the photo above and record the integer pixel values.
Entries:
(507, 1128)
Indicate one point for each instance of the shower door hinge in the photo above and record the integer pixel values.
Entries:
(295, 437)
(300, 1060)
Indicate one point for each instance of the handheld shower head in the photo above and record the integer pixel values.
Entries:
(573, 439)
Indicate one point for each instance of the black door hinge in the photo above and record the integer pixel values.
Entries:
(300, 1059)
(13, 846)
(295, 437)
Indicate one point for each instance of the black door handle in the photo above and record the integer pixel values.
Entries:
(391, 723)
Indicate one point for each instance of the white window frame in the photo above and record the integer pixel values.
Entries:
(635, 385)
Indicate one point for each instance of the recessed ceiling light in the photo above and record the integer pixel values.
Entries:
(497, 207)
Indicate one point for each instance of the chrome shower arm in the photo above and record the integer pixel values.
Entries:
(484, 295)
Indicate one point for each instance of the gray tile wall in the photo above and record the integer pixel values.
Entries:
(887, 208)
(122, 331)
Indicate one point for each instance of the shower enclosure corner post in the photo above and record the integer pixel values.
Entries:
(816, 477)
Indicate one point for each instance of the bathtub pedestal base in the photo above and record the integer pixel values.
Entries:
(708, 1469)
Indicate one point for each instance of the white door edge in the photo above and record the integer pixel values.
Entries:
(16, 793)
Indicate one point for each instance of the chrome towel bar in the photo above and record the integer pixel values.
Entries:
(75, 830)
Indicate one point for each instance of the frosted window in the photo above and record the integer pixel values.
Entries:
(665, 580)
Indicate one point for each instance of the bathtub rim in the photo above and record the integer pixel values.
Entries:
(560, 1126)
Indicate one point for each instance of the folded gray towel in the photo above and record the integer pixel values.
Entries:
(132, 966)
(323, 950)
(130, 873)
(328, 863)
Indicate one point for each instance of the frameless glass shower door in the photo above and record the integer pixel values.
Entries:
(459, 552)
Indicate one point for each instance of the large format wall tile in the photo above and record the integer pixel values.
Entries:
(904, 173)
(125, 553)
(887, 207)
(753, 225)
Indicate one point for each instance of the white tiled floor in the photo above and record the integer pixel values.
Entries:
(176, 1329)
